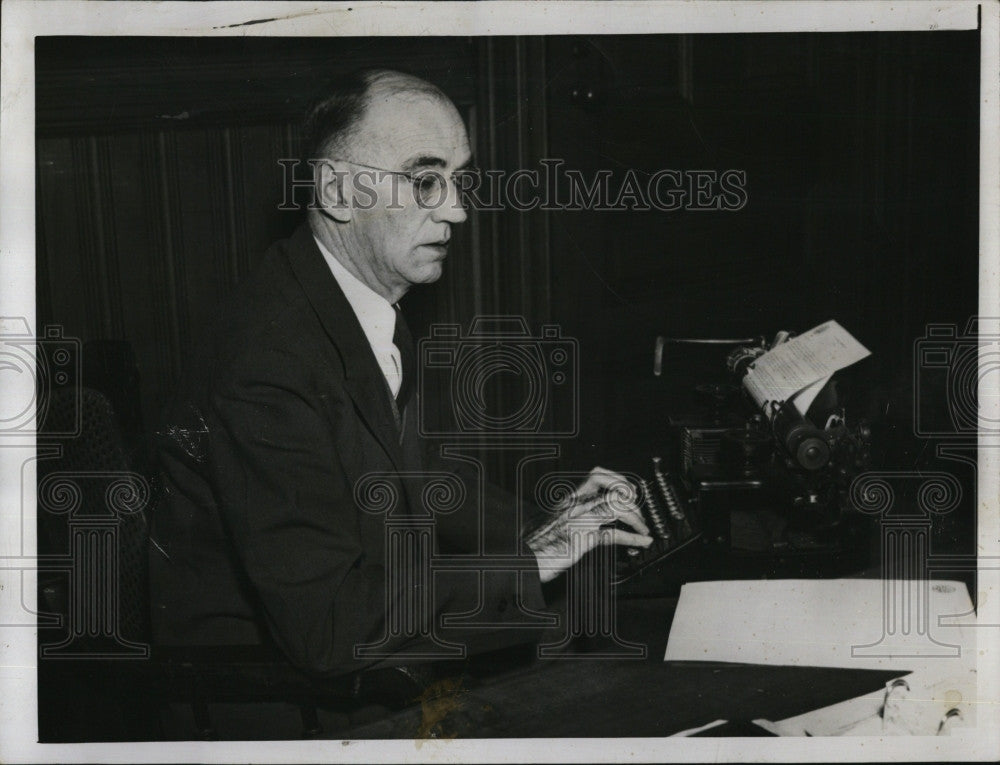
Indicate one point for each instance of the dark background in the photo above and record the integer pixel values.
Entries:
(158, 189)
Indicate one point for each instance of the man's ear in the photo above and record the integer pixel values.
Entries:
(333, 191)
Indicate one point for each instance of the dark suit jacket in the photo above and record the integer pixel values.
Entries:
(259, 535)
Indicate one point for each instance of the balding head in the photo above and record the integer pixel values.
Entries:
(333, 122)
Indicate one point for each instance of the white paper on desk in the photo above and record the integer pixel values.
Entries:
(919, 710)
(849, 623)
(802, 365)
(823, 623)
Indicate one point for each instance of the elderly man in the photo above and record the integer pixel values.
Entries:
(305, 388)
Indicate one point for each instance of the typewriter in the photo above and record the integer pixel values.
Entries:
(742, 488)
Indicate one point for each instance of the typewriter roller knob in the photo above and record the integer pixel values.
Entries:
(803, 441)
(813, 453)
(739, 360)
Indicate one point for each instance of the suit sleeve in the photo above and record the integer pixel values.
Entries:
(493, 519)
(289, 508)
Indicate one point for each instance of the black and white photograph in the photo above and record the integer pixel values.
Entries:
(499, 381)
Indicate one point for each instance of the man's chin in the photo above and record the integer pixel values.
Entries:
(428, 273)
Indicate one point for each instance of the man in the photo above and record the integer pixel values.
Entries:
(304, 392)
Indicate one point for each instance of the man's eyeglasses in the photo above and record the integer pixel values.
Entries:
(430, 185)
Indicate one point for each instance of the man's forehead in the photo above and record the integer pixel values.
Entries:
(418, 129)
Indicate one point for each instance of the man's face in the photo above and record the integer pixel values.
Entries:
(399, 241)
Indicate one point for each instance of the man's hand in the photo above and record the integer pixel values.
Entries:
(579, 521)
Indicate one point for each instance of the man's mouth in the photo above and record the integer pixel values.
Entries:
(441, 246)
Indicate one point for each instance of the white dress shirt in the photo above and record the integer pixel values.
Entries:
(376, 316)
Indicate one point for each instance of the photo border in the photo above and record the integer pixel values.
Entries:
(22, 20)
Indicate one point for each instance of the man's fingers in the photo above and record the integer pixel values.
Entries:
(603, 479)
(615, 488)
(596, 506)
(623, 497)
(622, 537)
(606, 511)
(634, 520)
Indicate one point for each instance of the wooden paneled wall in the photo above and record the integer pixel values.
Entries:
(141, 233)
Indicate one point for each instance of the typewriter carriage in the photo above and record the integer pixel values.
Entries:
(766, 485)
(743, 492)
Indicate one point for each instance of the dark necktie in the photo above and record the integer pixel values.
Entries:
(403, 340)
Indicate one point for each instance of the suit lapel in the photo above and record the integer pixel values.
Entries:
(363, 377)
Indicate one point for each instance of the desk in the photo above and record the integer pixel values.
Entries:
(580, 697)
(510, 694)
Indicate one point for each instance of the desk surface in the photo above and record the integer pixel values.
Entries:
(581, 696)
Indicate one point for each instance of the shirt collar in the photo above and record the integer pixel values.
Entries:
(375, 314)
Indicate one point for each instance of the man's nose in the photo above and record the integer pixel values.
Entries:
(452, 210)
